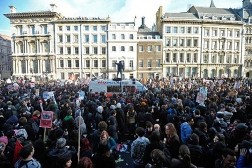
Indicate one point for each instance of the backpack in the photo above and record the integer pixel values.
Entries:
(35, 126)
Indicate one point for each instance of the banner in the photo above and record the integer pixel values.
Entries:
(48, 95)
(46, 119)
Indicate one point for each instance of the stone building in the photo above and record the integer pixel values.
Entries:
(149, 53)
(5, 57)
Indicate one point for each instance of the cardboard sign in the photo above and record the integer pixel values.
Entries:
(201, 97)
(32, 85)
(81, 94)
(46, 119)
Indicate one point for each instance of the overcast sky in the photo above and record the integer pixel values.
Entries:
(118, 10)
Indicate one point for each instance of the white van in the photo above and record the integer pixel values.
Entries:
(111, 87)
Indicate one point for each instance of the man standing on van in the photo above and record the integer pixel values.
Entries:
(120, 68)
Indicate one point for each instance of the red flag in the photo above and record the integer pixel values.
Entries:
(17, 149)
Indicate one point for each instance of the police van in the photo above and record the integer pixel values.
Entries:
(110, 87)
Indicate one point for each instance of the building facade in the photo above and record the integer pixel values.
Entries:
(122, 46)
(149, 53)
(202, 42)
(5, 57)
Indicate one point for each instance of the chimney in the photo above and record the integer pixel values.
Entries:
(143, 21)
(53, 7)
(12, 9)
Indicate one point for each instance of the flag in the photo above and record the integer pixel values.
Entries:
(17, 149)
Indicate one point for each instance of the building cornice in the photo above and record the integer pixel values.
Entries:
(32, 14)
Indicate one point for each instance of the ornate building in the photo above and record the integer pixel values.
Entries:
(5, 57)
(202, 42)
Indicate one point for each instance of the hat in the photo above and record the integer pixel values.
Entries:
(118, 105)
(4, 139)
(9, 102)
(61, 142)
(112, 107)
(99, 109)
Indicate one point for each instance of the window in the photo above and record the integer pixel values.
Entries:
(61, 50)
(69, 63)
(189, 30)
(206, 44)
(140, 48)
(76, 38)
(86, 38)
(87, 50)
(237, 33)
(189, 42)
(96, 63)
(103, 38)
(94, 28)
(237, 45)
(103, 28)
(230, 33)
(222, 45)
(236, 59)
(131, 48)
(32, 29)
(174, 42)
(215, 33)
(175, 29)
(122, 48)
(182, 29)
(68, 28)
(60, 28)
(113, 36)
(75, 28)
(68, 38)
(95, 38)
(32, 47)
(45, 47)
(68, 50)
(158, 62)
(103, 50)
(131, 64)
(95, 50)
(174, 57)
(188, 57)
(76, 50)
(148, 63)
(195, 42)
(61, 63)
(131, 36)
(158, 48)
(195, 57)
(181, 57)
(182, 42)
(113, 48)
(214, 45)
(62, 75)
(103, 63)
(222, 33)
(206, 32)
(168, 29)
(168, 42)
(229, 45)
(213, 59)
(44, 29)
(196, 30)
(205, 58)
(88, 63)
(167, 57)
(221, 58)
(140, 63)
(60, 38)
(77, 63)
(122, 36)
(86, 28)
(229, 58)
(149, 48)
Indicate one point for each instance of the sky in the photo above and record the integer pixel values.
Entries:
(117, 10)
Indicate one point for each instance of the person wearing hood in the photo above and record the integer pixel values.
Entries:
(98, 115)
(68, 122)
(79, 122)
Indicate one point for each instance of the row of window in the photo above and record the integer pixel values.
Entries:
(215, 58)
(31, 29)
(149, 48)
(86, 50)
(181, 42)
(122, 37)
(214, 32)
(85, 28)
(122, 48)
(222, 45)
(43, 47)
(149, 63)
(76, 63)
(86, 38)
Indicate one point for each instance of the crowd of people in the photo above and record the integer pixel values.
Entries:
(165, 126)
